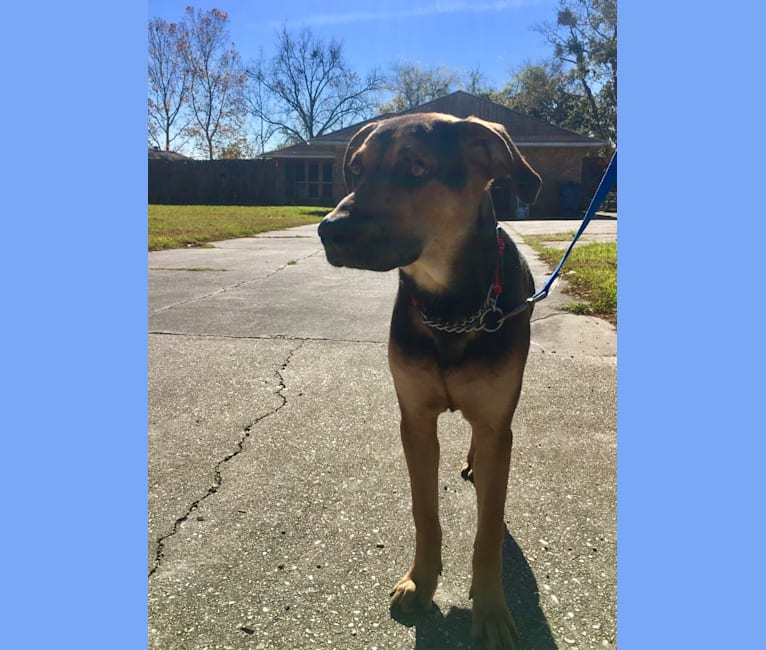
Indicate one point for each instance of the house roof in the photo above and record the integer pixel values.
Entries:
(160, 154)
(526, 131)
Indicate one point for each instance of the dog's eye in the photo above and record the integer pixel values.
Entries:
(354, 168)
(419, 169)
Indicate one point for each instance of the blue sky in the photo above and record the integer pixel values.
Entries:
(493, 36)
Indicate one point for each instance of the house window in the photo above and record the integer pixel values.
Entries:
(313, 184)
(327, 181)
(309, 180)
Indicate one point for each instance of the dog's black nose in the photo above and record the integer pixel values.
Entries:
(336, 227)
(325, 229)
(328, 230)
(336, 237)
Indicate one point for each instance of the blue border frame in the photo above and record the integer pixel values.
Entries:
(74, 324)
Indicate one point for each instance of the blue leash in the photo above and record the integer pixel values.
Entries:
(607, 181)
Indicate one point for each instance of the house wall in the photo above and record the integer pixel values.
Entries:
(557, 166)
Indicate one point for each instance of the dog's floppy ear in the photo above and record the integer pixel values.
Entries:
(356, 141)
(492, 148)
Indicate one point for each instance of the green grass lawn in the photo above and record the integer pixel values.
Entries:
(590, 271)
(181, 226)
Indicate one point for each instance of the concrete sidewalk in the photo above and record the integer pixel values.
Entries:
(279, 508)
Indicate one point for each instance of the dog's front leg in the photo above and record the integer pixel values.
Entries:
(491, 463)
(415, 590)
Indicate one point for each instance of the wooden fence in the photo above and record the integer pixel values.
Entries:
(213, 182)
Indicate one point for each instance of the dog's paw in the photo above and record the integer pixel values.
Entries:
(411, 597)
(467, 471)
(493, 624)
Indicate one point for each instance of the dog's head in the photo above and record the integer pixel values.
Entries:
(415, 185)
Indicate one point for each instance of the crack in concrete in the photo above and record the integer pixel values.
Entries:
(218, 292)
(264, 236)
(217, 477)
(553, 314)
(265, 337)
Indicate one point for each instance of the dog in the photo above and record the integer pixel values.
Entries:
(418, 200)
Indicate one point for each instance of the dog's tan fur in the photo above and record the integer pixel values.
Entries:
(418, 200)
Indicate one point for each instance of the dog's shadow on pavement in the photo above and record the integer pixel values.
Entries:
(438, 631)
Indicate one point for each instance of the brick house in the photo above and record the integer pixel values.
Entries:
(311, 172)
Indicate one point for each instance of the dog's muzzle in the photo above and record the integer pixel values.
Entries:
(356, 242)
(336, 238)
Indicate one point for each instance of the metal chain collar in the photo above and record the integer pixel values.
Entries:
(487, 319)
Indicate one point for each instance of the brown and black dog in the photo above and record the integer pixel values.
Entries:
(419, 201)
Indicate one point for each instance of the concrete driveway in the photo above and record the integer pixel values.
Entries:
(279, 507)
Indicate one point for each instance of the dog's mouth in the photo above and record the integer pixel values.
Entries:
(371, 255)
(348, 245)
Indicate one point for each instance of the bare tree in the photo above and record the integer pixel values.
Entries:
(413, 85)
(475, 83)
(311, 87)
(169, 82)
(260, 103)
(544, 91)
(584, 38)
(237, 149)
(217, 98)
